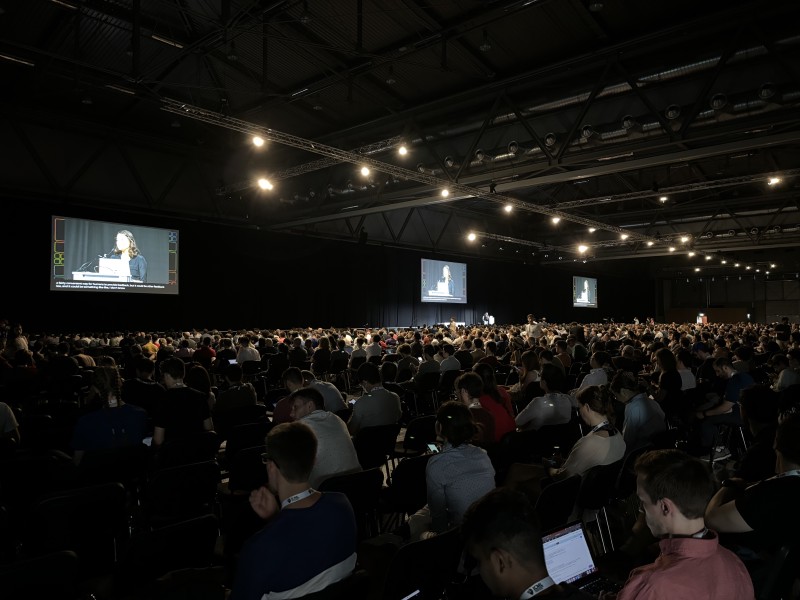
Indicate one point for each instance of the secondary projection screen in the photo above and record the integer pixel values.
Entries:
(584, 292)
(443, 281)
(97, 256)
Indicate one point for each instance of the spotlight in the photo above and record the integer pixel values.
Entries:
(449, 161)
(773, 181)
(592, 229)
(556, 220)
(582, 248)
(508, 208)
(365, 171)
(663, 199)
(550, 140)
(766, 91)
(649, 244)
(718, 101)
(445, 193)
(772, 266)
(264, 184)
(402, 150)
(480, 155)
(747, 268)
(684, 239)
(697, 269)
(724, 262)
(623, 236)
(258, 141)
(672, 248)
(587, 131)
(513, 147)
(672, 112)
(708, 257)
(421, 168)
(735, 264)
(486, 45)
(628, 122)
(691, 254)
(595, 5)
(471, 237)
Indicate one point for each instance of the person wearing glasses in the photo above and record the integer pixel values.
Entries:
(309, 541)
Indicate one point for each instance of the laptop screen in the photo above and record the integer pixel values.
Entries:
(567, 554)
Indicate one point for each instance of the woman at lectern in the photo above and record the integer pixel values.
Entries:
(127, 250)
(448, 279)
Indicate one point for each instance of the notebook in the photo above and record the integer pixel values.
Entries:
(569, 560)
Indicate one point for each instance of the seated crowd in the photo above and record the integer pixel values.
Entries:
(703, 416)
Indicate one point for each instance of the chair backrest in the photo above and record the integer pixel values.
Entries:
(91, 521)
(244, 436)
(447, 381)
(181, 492)
(194, 448)
(408, 490)
(597, 486)
(563, 435)
(780, 574)
(152, 553)
(363, 489)
(556, 502)
(374, 445)
(427, 565)
(54, 575)
(420, 432)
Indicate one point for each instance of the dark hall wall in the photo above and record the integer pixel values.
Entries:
(238, 277)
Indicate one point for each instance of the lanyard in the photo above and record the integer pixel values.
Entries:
(600, 426)
(298, 497)
(792, 473)
(537, 588)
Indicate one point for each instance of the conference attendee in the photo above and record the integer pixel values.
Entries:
(644, 417)
(502, 534)
(321, 357)
(763, 517)
(726, 412)
(298, 354)
(331, 395)
(603, 444)
(528, 372)
(458, 475)
(626, 361)
(784, 376)
(374, 348)
(667, 389)
(533, 330)
(553, 407)
(184, 350)
(246, 352)
(126, 250)
(562, 353)
(684, 364)
(464, 355)
(674, 489)
(597, 375)
(449, 362)
(114, 425)
(310, 539)
(336, 454)
(9, 427)
(377, 405)
(205, 354)
(759, 406)
(197, 378)
(237, 393)
(359, 350)
(143, 390)
(496, 400)
(429, 363)
(184, 410)
(407, 365)
(469, 388)
(490, 348)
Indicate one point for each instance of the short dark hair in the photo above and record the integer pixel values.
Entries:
(449, 348)
(234, 372)
(471, 382)
(174, 367)
(504, 518)
(293, 449)
(293, 375)
(308, 393)
(456, 422)
(760, 404)
(388, 371)
(676, 475)
(787, 440)
(555, 379)
(368, 372)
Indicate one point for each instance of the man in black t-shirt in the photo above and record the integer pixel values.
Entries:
(184, 410)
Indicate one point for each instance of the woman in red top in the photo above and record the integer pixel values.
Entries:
(496, 400)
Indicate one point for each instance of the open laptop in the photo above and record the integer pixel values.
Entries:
(569, 559)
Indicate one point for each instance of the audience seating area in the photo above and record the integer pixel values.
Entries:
(131, 523)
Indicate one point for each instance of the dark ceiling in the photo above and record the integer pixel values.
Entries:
(587, 111)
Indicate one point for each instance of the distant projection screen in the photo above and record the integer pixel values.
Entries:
(94, 256)
(584, 292)
(443, 281)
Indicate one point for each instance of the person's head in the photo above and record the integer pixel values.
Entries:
(529, 361)
(469, 387)
(324, 343)
(291, 449)
(552, 379)
(108, 383)
(530, 318)
(684, 358)
(125, 242)
(233, 373)
(723, 367)
(779, 362)
(173, 370)
(368, 374)
(787, 443)
(454, 422)
(594, 402)
(759, 406)
(388, 371)
(501, 532)
(145, 368)
(429, 351)
(448, 349)
(673, 488)
(303, 401)
(404, 350)
(486, 372)
(625, 385)
(292, 378)
(198, 378)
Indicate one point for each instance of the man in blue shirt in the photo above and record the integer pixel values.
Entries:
(725, 412)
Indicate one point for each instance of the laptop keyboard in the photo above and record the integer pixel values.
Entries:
(600, 585)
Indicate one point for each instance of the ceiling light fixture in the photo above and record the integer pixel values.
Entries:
(264, 184)
(684, 239)
(365, 171)
(773, 181)
(258, 141)
(390, 80)
(649, 244)
(623, 236)
(583, 248)
(592, 229)
(691, 254)
(471, 237)
(672, 248)
(556, 220)
(402, 150)
(672, 112)
(663, 199)
(508, 208)
(550, 140)
(486, 45)
(445, 193)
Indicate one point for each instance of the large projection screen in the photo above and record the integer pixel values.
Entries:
(94, 256)
(443, 281)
